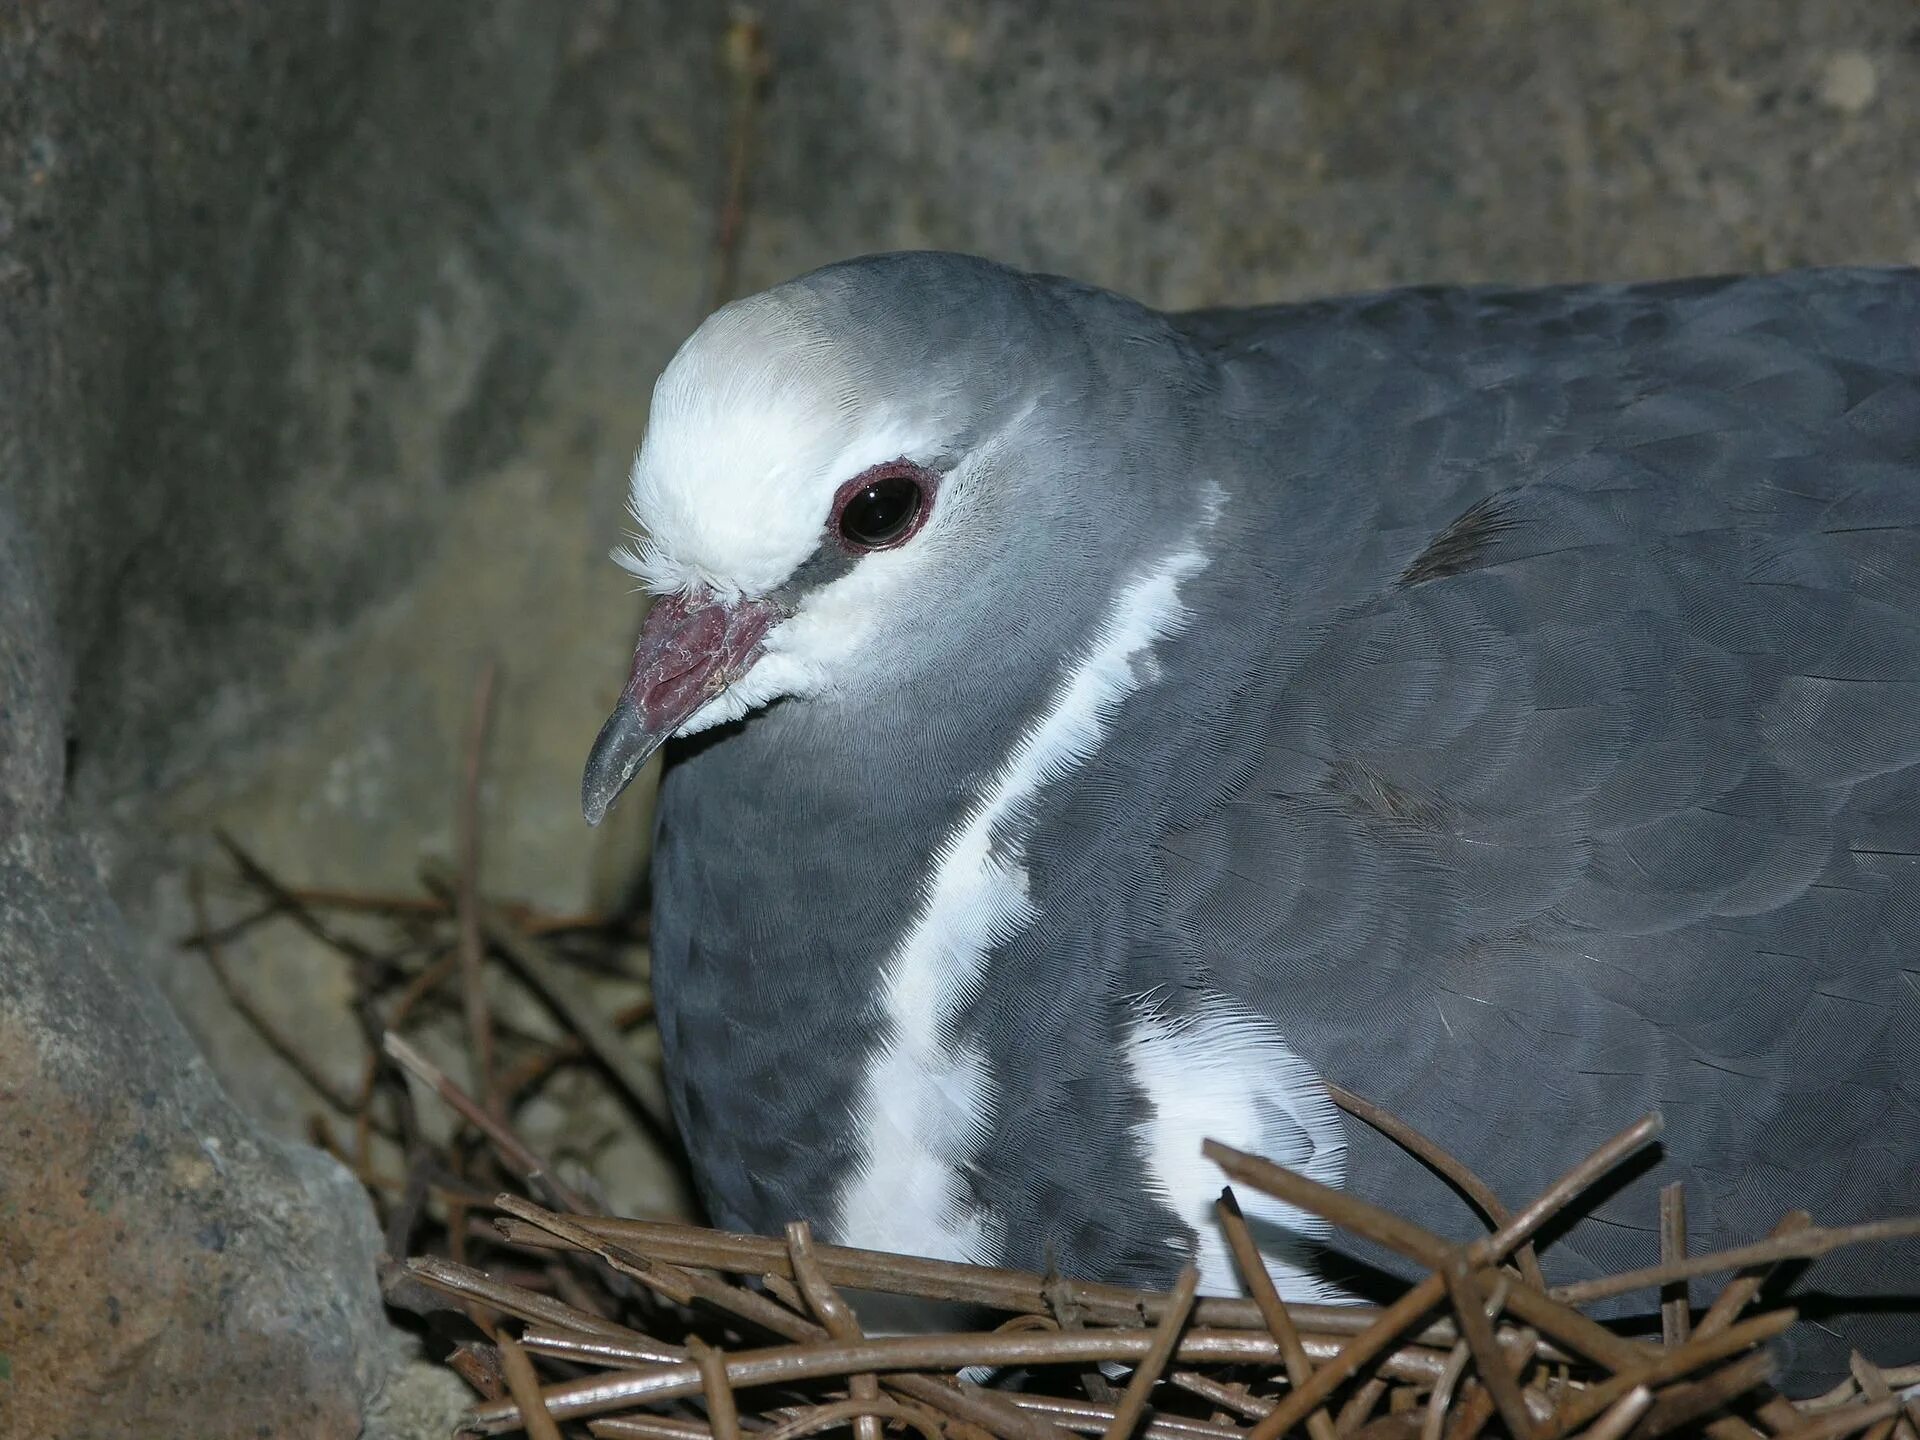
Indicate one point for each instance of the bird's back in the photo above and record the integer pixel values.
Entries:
(1577, 773)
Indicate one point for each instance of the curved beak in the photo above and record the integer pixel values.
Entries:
(691, 648)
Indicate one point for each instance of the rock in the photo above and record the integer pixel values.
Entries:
(1849, 81)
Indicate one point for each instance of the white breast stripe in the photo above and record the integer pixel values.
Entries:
(1223, 1073)
(926, 1102)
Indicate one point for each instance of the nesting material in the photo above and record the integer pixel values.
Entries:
(1479, 1345)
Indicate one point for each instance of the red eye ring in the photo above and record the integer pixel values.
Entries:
(883, 507)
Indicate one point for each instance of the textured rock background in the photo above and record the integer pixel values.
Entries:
(326, 330)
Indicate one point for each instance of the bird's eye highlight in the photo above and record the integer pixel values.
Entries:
(882, 507)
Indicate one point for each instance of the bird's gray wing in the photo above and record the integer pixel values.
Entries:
(1576, 773)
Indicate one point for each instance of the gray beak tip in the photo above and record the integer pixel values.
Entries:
(620, 749)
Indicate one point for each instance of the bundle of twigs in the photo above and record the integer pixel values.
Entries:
(1509, 1350)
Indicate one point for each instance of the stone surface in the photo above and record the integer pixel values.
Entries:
(326, 329)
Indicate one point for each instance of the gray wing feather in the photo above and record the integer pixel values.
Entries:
(1597, 786)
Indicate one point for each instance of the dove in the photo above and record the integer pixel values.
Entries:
(1094, 730)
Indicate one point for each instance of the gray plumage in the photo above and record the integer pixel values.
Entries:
(1542, 748)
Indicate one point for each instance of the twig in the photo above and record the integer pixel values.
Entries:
(467, 1284)
(722, 1414)
(648, 1427)
(536, 1067)
(1802, 1245)
(1259, 1285)
(1474, 1313)
(512, 1150)
(1091, 1417)
(1676, 1309)
(530, 959)
(276, 1040)
(1622, 1415)
(1436, 1413)
(1360, 1405)
(1873, 1384)
(524, 1387)
(1133, 1401)
(1422, 1298)
(1448, 1167)
(262, 879)
(748, 65)
(869, 1410)
(815, 1359)
(1696, 1354)
(835, 1314)
(1846, 1421)
(1226, 1397)
(1001, 1289)
(1682, 1404)
(422, 985)
(472, 978)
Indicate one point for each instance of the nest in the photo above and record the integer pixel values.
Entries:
(565, 1320)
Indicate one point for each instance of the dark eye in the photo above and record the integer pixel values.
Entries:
(881, 511)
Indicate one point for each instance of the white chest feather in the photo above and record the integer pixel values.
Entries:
(927, 1100)
(1223, 1073)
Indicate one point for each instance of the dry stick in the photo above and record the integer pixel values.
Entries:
(993, 1413)
(1473, 1311)
(1622, 1415)
(536, 1067)
(1259, 1283)
(1670, 1365)
(1347, 1211)
(649, 1427)
(324, 1085)
(395, 907)
(1226, 1397)
(834, 1313)
(467, 1284)
(1680, 1405)
(421, 986)
(473, 992)
(744, 55)
(535, 920)
(1090, 1417)
(513, 1151)
(869, 1411)
(722, 1414)
(1443, 1163)
(1573, 1330)
(1415, 1366)
(1804, 1245)
(524, 1386)
(1873, 1384)
(1738, 1292)
(1133, 1401)
(531, 959)
(1000, 1289)
(1470, 1416)
(1360, 1405)
(684, 1286)
(1676, 1309)
(1442, 1394)
(816, 1359)
(1846, 1420)
(262, 879)
(1488, 1250)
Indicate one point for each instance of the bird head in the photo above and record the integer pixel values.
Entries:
(833, 473)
